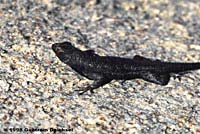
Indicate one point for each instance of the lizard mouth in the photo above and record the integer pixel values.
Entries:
(54, 47)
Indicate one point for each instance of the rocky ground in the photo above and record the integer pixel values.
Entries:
(37, 90)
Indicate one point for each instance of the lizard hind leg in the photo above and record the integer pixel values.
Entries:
(179, 75)
(176, 76)
(161, 79)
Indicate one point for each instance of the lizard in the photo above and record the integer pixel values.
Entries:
(104, 69)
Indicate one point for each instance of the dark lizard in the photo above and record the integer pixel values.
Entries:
(104, 69)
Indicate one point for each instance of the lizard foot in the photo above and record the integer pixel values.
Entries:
(96, 84)
(84, 90)
(177, 76)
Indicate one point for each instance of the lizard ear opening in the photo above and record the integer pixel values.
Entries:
(161, 79)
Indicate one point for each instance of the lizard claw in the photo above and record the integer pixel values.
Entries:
(84, 90)
(91, 91)
(177, 77)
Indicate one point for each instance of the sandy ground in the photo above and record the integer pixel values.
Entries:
(37, 90)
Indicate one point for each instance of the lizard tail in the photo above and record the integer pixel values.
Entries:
(162, 78)
(182, 67)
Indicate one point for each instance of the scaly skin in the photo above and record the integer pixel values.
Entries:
(103, 69)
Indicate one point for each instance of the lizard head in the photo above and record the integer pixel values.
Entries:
(64, 51)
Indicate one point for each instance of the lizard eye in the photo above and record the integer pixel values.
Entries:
(66, 45)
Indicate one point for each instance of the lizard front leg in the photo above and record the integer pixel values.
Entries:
(96, 84)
